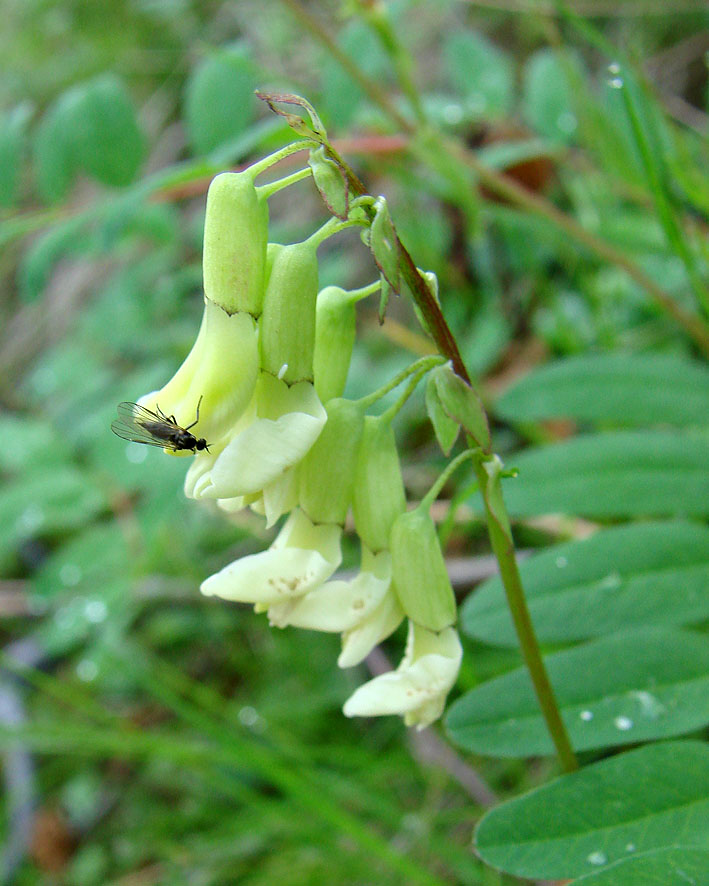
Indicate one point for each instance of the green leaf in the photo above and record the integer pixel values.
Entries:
(547, 96)
(650, 798)
(481, 73)
(65, 238)
(105, 138)
(93, 127)
(630, 687)
(13, 126)
(622, 474)
(54, 162)
(219, 100)
(341, 96)
(46, 503)
(628, 576)
(625, 389)
(38, 443)
(85, 562)
(681, 866)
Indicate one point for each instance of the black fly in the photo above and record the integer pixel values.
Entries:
(141, 425)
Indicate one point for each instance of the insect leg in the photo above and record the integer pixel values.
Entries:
(197, 419)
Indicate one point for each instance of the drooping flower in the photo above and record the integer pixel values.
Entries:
(417, 689)
(303, 557)
(221, 370)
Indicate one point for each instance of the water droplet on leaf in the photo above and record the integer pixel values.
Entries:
(597, 858)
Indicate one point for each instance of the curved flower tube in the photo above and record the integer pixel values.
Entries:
(417, 689)
(219, 374)
(280, 425)
(303, 556)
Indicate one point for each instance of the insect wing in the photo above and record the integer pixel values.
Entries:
(129, 425)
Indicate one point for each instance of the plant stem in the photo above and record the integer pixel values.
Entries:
(356, 295)
(333, 226)
(503, 548)
(665, 213)
(377, 17)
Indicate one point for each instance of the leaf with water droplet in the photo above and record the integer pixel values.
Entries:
(649, 797)
(660, 576)
(610, 692)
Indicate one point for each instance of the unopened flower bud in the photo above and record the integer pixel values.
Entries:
(288, 321)
(379, 495)
(327, 472)
(235, 236)
(419, 571)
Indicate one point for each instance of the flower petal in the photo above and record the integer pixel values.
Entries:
(280, 496)
(219, 374)
(358, 642)
(267, 446)
(418, 688)
(340, 605)
(287, 569)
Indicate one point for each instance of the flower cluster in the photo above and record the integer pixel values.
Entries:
(268, 371)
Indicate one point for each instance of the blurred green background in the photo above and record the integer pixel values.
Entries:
(166, 738)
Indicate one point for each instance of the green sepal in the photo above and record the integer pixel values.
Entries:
(445, 427)
(431, 281)
(419, 573)
(384, 244)
(462, 403)
(383, 298)
(327, 473)
(288, 320)
(379, 495)
(235, 237)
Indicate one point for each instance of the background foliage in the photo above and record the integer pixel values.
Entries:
(160, 737)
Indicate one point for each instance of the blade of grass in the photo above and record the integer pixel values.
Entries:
(290, 779)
